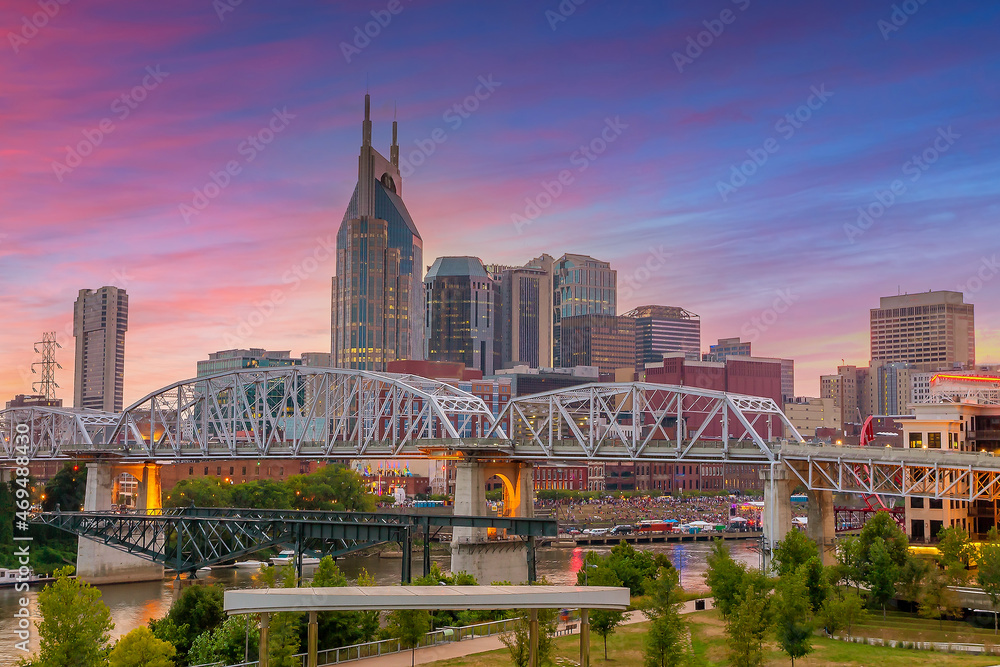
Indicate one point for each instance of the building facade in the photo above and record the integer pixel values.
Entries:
(931, 330)
(663, 329)
(582, 286)
(605, 341)
(524, 316)
(809, 414)
(460, 310)
(727, 347)
(226, 361)
(377, 301)
(100, 320)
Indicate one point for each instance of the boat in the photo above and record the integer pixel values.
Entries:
(250, 564)
(12, 576)
(287, 557)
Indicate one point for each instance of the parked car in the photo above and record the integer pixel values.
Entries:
(598, 531)
(621, 530)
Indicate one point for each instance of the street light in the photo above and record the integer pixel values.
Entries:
(586, 574)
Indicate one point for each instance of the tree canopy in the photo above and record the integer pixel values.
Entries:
(76, 625)
(139, 648)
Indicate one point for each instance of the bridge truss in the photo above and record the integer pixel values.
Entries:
(938, 474)
(186, 539)
(638, 421)
(42, 431)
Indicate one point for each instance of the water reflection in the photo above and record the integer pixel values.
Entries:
(132, 605)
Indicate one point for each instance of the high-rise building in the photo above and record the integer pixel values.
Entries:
(460, 311)
(893, 387)
(581, 285)
(662, 329)
(234, 360)
(524, 316)
(377, 299)
(931, 330)
(851, 391)
(100, 320)
(317, 359)
(605, 341)
(727, 347)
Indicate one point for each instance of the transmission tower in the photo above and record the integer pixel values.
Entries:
(47, 385)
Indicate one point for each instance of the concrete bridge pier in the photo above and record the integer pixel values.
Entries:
(822, 525)
(485, 555)
(777, 514)
(98, 563)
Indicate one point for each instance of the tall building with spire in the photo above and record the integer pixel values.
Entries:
(377, 299)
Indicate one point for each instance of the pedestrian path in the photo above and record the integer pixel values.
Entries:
(422, 656)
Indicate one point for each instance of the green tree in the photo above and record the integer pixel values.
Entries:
(605, 621)
(335, 628)
(666, 642)
(263, 494)
(332, 487)
(725, 577)
(368, 624)
(283, 634)
(728, 579)
(883, 574)
(792, 552)
(196, 610)
(633, 567)
(410, 625)
(936, 599)
(953, 543)
(139, 648)
(817, 582)
(882, 526)
(76, 625)
(911, 578)
(843, 610)
(746, 627)
(66, 489)
(792, 618)
(232, 642)
(200, 492)
(988, 571)
(848, 568)
(516, 639)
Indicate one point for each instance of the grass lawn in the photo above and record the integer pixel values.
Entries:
(625, 648)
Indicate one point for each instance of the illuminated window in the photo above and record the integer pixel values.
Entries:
(916, 440)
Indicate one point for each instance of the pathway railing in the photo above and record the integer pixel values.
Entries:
(336, 656)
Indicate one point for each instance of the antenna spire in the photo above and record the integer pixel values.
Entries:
(366, 127)
(394, 149)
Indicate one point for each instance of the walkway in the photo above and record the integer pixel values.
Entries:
(480, 645)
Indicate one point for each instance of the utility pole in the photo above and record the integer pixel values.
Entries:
(47, 385)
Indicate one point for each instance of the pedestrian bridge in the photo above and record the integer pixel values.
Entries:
(326, 413)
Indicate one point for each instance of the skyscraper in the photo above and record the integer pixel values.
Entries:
(582, 286)
(377, 298)
(100, 320)
(662, 329)
(605, 341)
(931, 330)
(460, 314)
(524, 316)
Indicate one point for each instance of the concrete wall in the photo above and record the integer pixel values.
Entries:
(101, 564)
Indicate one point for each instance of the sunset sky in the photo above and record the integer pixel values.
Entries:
(114, 113)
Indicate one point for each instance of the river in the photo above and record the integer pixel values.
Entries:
(133, 605)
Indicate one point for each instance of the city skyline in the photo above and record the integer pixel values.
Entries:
(783, 260)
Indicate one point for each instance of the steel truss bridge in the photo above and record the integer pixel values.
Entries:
(326, 413)
(296, 412)
(187, 539)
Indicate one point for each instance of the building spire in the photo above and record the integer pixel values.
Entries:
(394, 149)
(366, 127)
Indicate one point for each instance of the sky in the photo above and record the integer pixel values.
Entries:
(774, 167)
